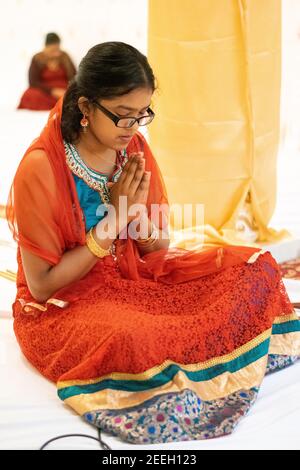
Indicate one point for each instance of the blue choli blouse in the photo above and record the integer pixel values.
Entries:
(89, 200)
(91, 184)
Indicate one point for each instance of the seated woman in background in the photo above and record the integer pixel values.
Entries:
(49, 74)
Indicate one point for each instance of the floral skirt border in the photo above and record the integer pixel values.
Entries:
(182, 416)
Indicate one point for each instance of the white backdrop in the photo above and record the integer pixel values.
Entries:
(287, 213)
(80, 23)
(290, 90)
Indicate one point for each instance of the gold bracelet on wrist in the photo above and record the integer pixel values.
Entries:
(94, 247)
(148, 243)
(151, 239)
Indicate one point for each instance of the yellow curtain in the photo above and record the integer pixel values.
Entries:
(216, 132)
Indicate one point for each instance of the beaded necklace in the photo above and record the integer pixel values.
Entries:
(93, 179)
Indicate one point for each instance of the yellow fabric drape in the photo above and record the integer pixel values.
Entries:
(216, 131)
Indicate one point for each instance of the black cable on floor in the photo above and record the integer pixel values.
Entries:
(103, 444)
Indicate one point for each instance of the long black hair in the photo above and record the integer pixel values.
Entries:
(108, 70)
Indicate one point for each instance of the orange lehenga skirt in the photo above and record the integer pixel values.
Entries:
(153, 362)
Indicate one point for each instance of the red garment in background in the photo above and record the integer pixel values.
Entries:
(37, 98)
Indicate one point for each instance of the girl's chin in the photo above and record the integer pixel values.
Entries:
(121, 145)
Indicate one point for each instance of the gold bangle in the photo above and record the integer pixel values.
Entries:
(94, 247)
(151, 239)
(149, 243)
(145, 240)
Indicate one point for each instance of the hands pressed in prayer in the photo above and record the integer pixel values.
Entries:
(133, 183)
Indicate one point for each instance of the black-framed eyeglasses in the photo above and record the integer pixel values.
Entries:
(127, 121)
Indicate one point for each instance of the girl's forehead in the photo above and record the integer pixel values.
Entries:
(135, 99)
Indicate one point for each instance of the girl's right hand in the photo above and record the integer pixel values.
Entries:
(133, 183)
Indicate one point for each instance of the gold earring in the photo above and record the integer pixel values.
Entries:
(84, 123)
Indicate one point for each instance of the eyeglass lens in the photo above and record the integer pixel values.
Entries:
(129, 122)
